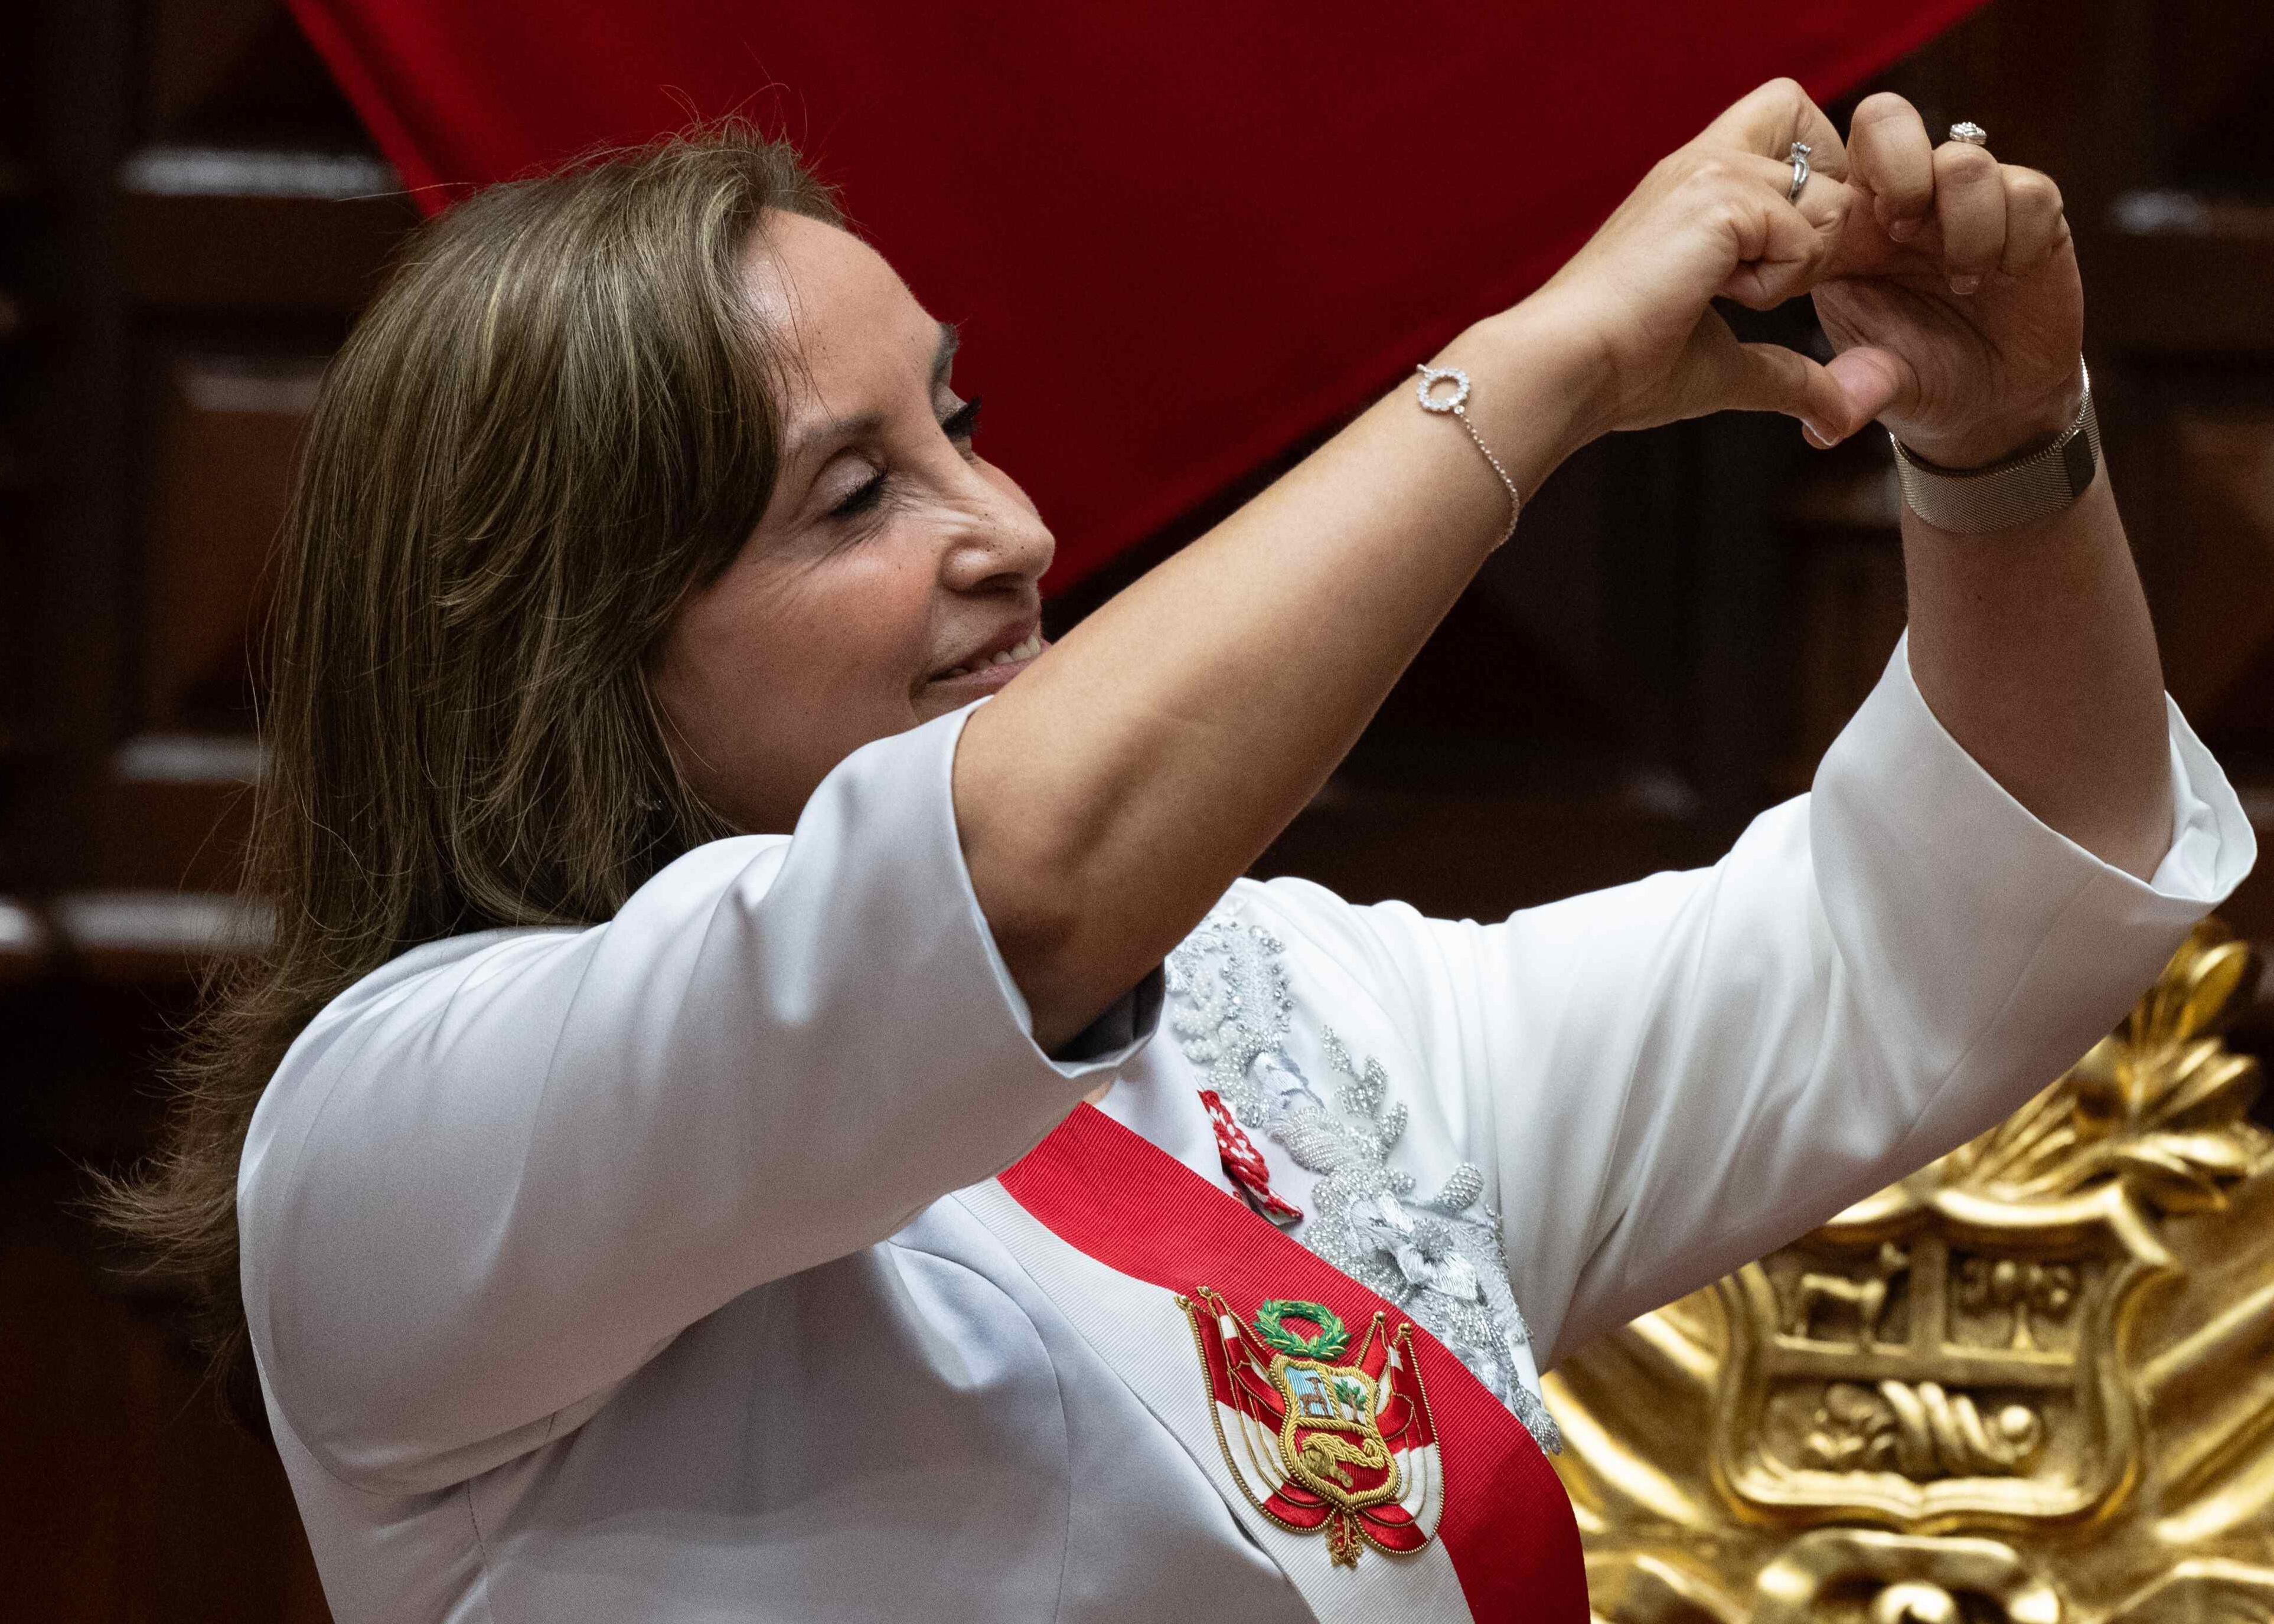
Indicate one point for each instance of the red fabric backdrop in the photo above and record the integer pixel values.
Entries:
(1180, 234)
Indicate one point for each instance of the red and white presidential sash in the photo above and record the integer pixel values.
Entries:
(1384, 1478)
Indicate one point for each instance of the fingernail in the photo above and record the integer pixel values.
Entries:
(1902, 230)
(1964, 285)
(1817, 437)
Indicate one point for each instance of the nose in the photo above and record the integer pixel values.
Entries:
(1001, 542)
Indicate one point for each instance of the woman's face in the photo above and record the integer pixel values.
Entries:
(894, 568)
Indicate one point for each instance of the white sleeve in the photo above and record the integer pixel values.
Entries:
(481, 1193)
(1670, 1078)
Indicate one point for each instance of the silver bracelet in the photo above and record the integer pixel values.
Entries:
(2021, 490)
(1425, 391)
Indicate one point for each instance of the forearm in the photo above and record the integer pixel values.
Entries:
(1108, 798)
(2034, 648)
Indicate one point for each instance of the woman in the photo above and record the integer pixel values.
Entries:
(676, 1199)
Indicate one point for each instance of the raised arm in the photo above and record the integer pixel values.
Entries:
(1107, 799)
(2031, 644)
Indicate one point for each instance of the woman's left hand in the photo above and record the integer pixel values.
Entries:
(1952, 295)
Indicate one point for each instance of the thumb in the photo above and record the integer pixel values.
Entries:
(1871, 382)
(1771, 378)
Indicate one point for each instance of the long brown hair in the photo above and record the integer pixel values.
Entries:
(556, 417)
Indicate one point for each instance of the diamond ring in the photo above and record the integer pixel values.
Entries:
(1970, 132)
(1799, 154)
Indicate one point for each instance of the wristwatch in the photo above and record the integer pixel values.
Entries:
(2021, 490)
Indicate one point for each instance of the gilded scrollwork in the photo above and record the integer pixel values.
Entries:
(1922, 1430)
(2033, 1382)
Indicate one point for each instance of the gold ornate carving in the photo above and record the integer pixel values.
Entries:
(2033, 1382)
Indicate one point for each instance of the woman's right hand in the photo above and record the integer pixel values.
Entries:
(1712, 220)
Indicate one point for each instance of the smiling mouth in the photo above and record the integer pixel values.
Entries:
(1020, 653)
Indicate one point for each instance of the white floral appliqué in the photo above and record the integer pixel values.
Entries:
(1440, 1259)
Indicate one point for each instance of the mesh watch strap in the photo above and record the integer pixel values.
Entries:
(2019, 490)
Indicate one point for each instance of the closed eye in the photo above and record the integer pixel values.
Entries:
(861, 498)
(959, 425)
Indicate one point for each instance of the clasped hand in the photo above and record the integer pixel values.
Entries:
(1945, 280)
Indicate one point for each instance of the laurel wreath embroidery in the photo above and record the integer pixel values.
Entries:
(1329, 1342)
(1441, 1259)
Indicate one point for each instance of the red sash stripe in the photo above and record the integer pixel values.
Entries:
(1116, 1197)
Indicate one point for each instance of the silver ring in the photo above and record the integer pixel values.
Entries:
(1800, 151)
(1970, 132)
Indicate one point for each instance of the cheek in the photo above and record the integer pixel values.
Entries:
(865, 627)
(780, 651)
(771, 678)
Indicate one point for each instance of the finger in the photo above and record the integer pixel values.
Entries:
(1891, 156)
(1769, 120)
(1771, 378)
(1831, 402)
(1823, 200)
(2036, 221)
(1780, 252)
(1969, 205)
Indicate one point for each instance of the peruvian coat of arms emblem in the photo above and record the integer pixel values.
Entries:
(1319, 1437)
(2028, 1384)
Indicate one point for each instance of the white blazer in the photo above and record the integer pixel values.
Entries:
(611, 1274)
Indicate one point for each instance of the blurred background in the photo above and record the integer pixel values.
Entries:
(192, 213)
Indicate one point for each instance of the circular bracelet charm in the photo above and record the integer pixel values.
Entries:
(1450, 406)
(1431, 377)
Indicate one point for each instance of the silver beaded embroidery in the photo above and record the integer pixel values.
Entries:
(1438, 1259)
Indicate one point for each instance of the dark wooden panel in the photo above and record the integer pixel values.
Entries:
(26, 942)
(162, 939)
(228, 429)
(177, 813)
(1484, 856)
(2212, 580)
(2184, 291)
(128, 1497)
(281, 253)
